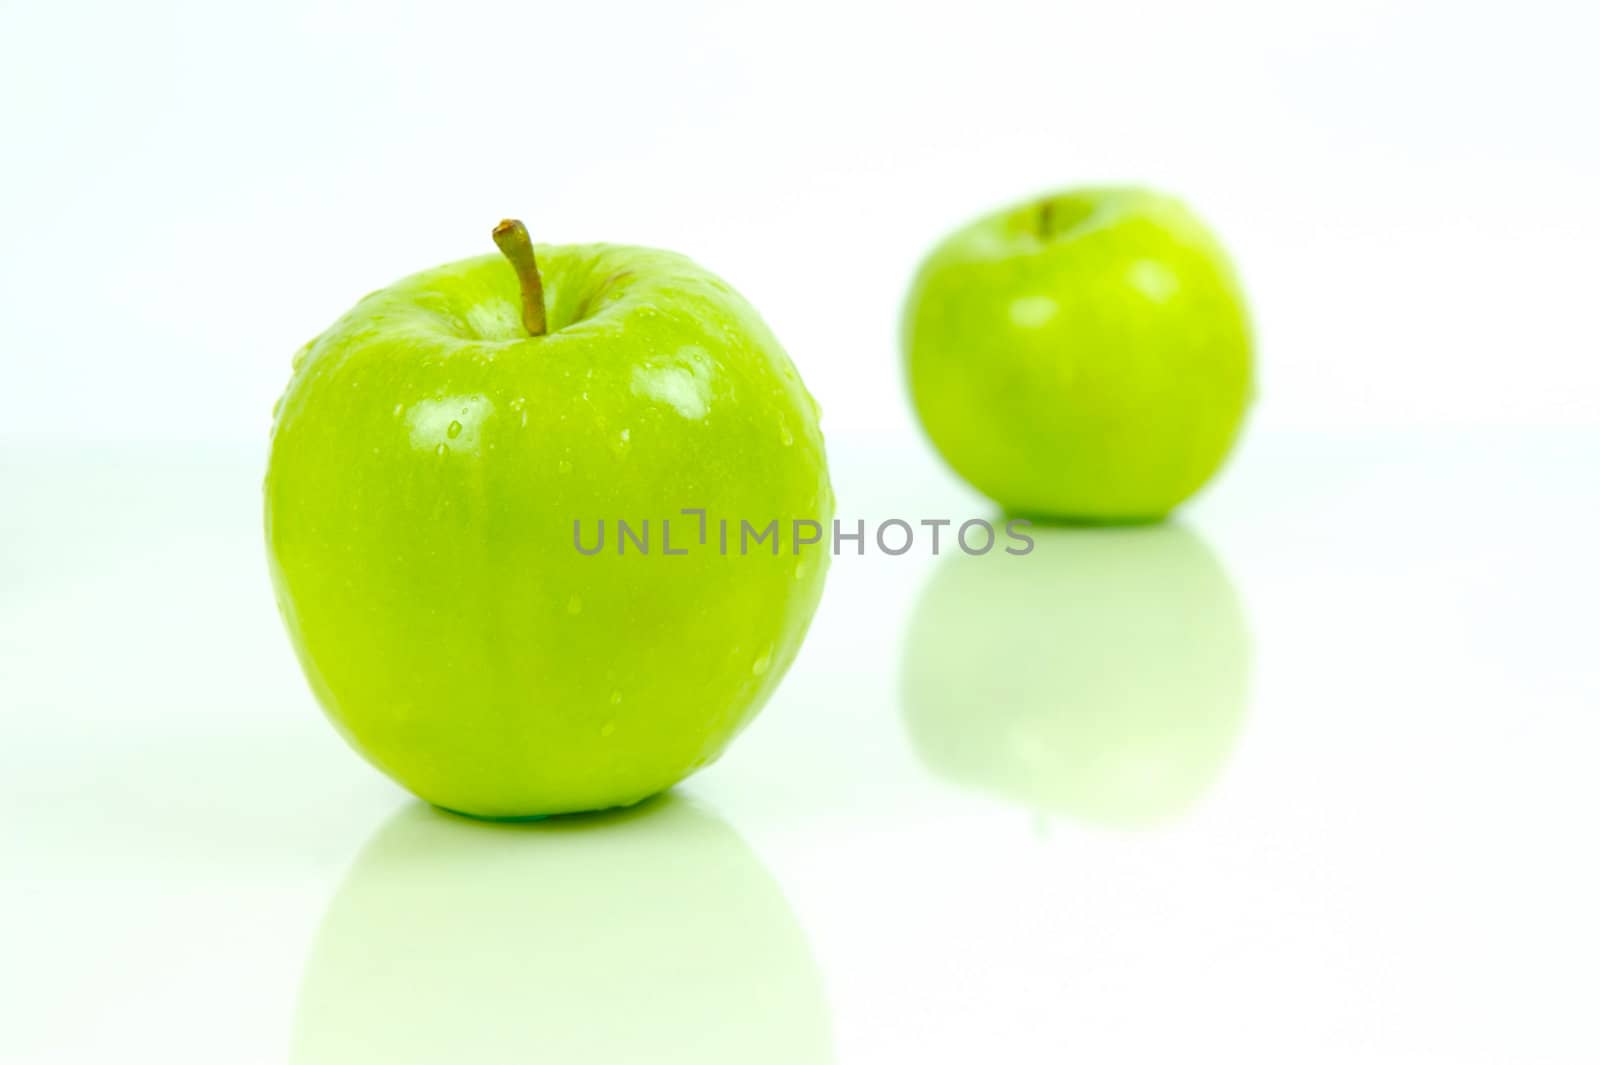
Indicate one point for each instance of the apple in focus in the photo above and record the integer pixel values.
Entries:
(1085, 356)
(432, 458)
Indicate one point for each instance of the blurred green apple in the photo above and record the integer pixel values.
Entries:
(1102, 676)
(430, 459)
(1084, 357)
(649, 936)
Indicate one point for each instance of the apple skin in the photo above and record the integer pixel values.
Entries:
(1103, 677)
(1084, 356)
(651, 935)
(429, 459)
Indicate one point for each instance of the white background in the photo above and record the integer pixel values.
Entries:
(1395, 862)
(193, 190)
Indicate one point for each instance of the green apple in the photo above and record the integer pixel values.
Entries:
(1103, 676)
(651, 935)
(431, 459)
(1081, 357)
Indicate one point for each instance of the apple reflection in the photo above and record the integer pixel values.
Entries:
(651, 935)
(1102, 677)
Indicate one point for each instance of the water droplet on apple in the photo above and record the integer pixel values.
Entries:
(399, 409)
(608, 728)
(616, 698)
(759, 666)
(454, 430)
(575, 605)
(563, 466)
(801, 569)
(441, 451)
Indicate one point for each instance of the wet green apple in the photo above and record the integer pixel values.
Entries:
(431, 458)
(1084, 356)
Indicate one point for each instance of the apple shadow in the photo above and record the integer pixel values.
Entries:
(1102, 677)
(650, 934)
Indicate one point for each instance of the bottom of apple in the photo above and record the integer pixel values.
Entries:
(1049, 520)
(564, 815)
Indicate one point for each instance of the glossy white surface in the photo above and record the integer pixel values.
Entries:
(1384, 853)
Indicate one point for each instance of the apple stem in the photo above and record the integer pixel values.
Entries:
(511, 237)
